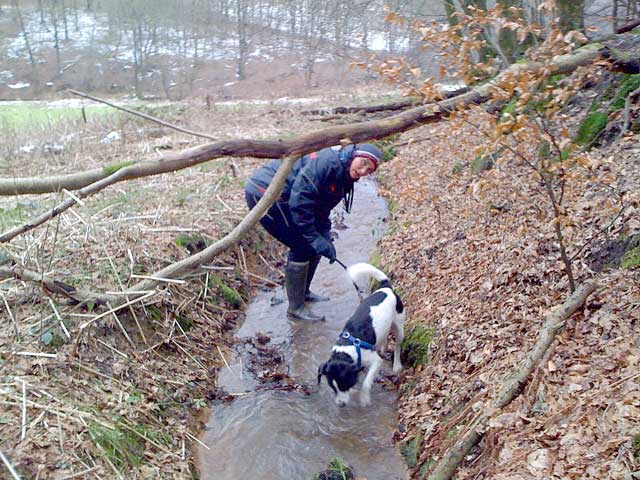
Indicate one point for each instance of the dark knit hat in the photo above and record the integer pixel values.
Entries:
(370, 151)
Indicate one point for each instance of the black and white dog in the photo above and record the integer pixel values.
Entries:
(364, 335)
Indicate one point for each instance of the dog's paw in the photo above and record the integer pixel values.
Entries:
(397, 368)
(365, 400)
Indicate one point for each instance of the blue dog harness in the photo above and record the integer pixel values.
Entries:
(356, 342)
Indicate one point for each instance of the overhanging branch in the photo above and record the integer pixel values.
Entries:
(302, 144)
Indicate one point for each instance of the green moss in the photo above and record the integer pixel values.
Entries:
(544, 150)
(628, 85)
(386, 145)
(337, 470)
(410, 450)
(185, 323)
(230, 294)
(457, 168)
(636, 446)
(193, 242)
(510, 107)
(52, 339)
(482, 163)
(123, 448)
(111, 169)
(631, 258)
(591, 127)
(416, 345)
(154, 313)
(17, 215)
(123, 443)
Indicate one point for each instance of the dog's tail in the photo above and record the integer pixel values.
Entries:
(360, 274)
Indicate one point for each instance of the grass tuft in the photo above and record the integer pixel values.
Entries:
(337, 470)
(416, 345)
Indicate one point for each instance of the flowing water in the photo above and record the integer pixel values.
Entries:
(275, 434)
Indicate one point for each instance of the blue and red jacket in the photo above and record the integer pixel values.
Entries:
(315, 185)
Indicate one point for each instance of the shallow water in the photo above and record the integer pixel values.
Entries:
(277, 434)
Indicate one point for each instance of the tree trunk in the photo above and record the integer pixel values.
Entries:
(243, 43)
(24, 34)
(56, 39)
(571, 14)
(63, 9)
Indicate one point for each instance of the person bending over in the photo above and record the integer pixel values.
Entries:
(300, 216)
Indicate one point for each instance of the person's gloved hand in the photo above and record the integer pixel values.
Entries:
(324, 247)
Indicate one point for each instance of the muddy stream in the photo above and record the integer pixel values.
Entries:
(280, 424)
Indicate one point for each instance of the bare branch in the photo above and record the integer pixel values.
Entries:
(554, 323)
(302, 144)
(143, 115)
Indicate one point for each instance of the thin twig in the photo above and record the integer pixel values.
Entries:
(627, 112)
(7, 464)
(62, 325)
(124, 332)
(81, 474)
(266, 280)
(13, 320)
(143, 115)
(133, 312)
(197, 440)
(119, 307)
(23, 434)
(224, 359)
(190, 356)
(115, 350)
(60, 434)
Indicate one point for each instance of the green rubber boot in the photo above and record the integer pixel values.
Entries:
(296, 284)
(309, 296)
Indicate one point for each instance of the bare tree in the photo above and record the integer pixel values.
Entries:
(242, 14)
(23, 31)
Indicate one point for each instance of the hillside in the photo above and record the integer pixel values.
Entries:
(475, 254)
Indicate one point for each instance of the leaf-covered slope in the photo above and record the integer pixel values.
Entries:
(476, 260)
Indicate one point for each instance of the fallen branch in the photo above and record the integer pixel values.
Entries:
(554, 323)
(143, 115)
(627, 111)
(54, 286)
(628, 27)
(306, 143)
(205, 256)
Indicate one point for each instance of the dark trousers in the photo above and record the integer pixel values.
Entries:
(278, 222)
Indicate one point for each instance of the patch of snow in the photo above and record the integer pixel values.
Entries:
(54, 148)
(27, 149)
(295, 101)
(111, 137)
(19, 85)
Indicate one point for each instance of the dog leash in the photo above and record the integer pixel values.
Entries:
(354, 283)
(341, 264)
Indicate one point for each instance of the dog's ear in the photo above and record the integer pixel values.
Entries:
(322, 370)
